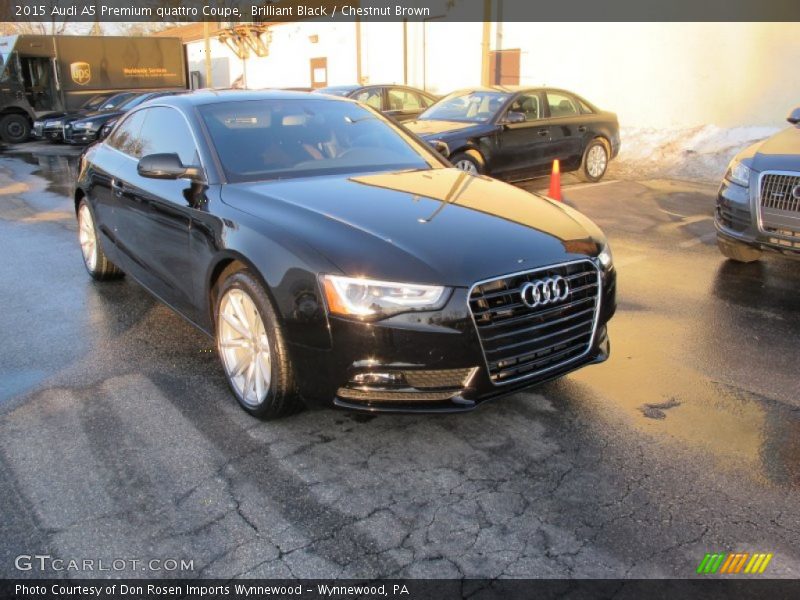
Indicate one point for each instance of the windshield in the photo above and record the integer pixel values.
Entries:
(95, 101)
(467, 106)
(116, 100)
(271, 139)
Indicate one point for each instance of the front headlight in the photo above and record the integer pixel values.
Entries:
(605, 257)
(365, 298)
(738, 173)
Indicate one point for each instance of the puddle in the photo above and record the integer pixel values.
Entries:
(59, 171)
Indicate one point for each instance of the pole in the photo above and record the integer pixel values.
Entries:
(207, 50)
(485, 43)
(405, 51)
(358, 51)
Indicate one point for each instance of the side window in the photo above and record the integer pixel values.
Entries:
(404, 100)
(370, 97)
(561, 105)
(528, 105)
(126, 138)
(425, 102)
(165, 131)
(585, 108)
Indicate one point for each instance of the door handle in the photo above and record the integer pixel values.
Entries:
(543, 132)
(117, 186)
(582, 129)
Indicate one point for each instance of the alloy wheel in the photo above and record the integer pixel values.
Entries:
(466, 165)
(87, 237)
(244, 347)
(596, 161)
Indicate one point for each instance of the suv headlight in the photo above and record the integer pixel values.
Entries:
(738, 173)
(367, 298)
(605, 257)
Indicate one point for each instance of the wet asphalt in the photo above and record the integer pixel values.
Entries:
(119, 438)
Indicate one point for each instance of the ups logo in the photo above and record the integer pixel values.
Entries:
(81, 72)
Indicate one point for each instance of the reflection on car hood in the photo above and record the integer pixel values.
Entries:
(779, 152)
(434, 226)
(427, 128)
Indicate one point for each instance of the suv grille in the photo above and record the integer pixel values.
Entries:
(779, 208)
(520, 342)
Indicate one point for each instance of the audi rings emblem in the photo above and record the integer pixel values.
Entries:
(544, 291)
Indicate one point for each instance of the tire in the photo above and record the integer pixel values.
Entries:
(595, 161)
(15, 129)
(737, 252)
(470, 161)
(243, 307)
(94, 259)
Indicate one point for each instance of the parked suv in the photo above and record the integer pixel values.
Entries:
(758, 205)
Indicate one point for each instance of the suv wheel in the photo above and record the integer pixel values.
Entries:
(14, 129)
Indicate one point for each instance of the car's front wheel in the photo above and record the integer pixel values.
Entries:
(94, 259)
(252, 349)
(737, 252)
(470, 161)
(595, 161)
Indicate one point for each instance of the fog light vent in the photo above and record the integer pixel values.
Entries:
(379, 379)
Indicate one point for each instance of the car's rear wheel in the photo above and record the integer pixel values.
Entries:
(737, 252)
(94, 259)
(14, 129)
(252, 349)
(595, 161)
(470, 161)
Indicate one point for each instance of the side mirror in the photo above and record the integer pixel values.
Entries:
(441, 147)
(794, 116)
(514, 117)
(166, 166)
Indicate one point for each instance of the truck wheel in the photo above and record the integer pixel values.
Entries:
(15, 129)
(737, 252)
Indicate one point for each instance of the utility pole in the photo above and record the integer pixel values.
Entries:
(485, 41)
(207, 43)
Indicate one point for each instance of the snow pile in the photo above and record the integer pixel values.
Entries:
(699, 153)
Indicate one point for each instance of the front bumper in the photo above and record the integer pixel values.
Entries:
(80, 136)
(437, 356)
(736, 219)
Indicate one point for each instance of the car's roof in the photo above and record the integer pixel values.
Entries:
(202, 97)
(510, 89)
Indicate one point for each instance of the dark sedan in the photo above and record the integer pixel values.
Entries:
(758, 204)
(53, 129)
(92, 103)
(89, 129)
(336, 259)
(400, 102)
(516, 134)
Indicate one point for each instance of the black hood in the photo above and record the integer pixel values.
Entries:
(434, 129)
(439, 226)
(781, 152)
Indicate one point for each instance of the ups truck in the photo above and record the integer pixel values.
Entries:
(41, 74)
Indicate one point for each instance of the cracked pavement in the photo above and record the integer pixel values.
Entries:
(119, 438)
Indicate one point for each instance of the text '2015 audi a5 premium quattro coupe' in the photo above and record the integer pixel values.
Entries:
(337, 259)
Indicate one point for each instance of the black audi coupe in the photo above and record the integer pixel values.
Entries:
(516, 133)
(336, 259)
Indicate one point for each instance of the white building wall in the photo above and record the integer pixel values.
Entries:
(666, 75)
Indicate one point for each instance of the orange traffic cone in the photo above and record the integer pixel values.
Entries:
(555, 182)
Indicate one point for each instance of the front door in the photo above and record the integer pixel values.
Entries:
(40, 83)
(154, 215)
(523, 145)
(567, 128)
